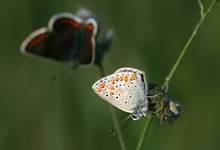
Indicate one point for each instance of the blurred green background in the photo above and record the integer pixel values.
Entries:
(39, 113)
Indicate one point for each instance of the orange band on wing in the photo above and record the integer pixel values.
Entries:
(37, 40)
(71, 22)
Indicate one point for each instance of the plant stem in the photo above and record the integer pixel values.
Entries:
(189, 41)
(145, 130)
(203, 16)
(119, 134)
(113, 114)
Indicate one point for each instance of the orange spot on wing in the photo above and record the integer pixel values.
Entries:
(111, 88)
(111, 92)
(113, 81)
(121, 78)
(132, 77)
(126, 78)
(102, 85)
(98, 90)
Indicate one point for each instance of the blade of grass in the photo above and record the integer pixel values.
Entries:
(203, 16)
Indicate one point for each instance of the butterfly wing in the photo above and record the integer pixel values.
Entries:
(64, 22)
(78, 34)
(88, 43)
(125, 89)
(60, 41)
(67, 28)
(44, 44)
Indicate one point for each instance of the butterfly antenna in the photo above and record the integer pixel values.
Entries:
(115, 130)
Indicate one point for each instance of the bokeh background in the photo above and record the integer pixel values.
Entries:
(38, 112)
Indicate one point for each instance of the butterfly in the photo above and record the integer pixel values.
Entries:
(68, 38)
(128, 90)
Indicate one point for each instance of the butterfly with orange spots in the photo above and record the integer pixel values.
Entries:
(126, 89)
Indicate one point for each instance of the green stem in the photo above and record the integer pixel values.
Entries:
(145, 130)
(113, 114)
(203, 16)
(119, 134)
(189, 41)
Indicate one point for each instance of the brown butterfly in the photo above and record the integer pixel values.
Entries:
(68, 38)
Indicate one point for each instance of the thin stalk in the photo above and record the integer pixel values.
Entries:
(203, 16)
(145, 130)
(119, 134)
(189, 41)
(113, 115)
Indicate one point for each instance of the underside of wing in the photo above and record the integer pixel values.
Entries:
(125, 90)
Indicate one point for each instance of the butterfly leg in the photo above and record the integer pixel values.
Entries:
(114, 130)
(135, 117)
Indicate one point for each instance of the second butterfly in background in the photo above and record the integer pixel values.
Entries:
(69, 38)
